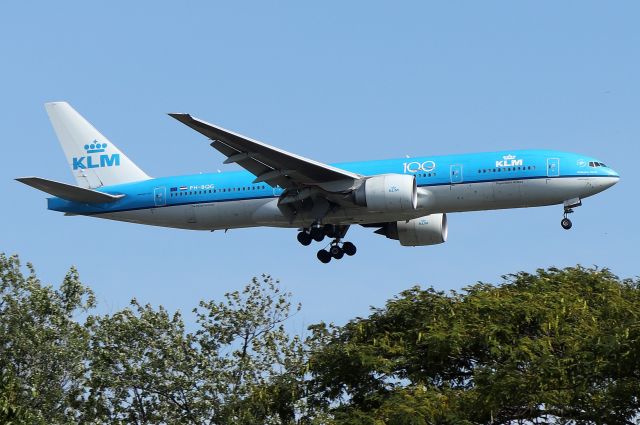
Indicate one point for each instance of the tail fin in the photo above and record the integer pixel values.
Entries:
(93, 159)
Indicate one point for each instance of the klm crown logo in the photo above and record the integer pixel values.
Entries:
(96, 161)
(95, 147)
(509, 161)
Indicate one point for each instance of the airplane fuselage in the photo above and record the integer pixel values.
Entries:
(454, 183)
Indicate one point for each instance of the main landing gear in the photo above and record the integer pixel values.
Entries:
(568, 209)
(336, 249)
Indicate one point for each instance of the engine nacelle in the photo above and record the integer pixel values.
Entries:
(428, 230)
(388, 193)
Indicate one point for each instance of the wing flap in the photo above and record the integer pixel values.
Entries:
(69, 192)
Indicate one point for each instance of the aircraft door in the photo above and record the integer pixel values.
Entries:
(553, 167)
(456, 173)
(160, 196)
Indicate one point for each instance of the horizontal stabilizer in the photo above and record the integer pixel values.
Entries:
(69, 192)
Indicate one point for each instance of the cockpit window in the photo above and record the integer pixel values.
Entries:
(596, 164)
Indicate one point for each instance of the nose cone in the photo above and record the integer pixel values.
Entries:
(609, 179)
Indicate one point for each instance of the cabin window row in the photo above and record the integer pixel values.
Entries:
(497, 170)
(426, 175)
(224, 190)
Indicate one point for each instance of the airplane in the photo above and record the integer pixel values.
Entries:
(405, 199)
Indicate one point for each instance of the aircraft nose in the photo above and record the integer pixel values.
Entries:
(610, 180)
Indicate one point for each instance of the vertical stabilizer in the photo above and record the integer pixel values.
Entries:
(93, 159)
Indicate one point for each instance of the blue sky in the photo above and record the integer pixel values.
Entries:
(333, 81)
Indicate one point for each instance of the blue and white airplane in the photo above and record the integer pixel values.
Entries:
(405, 199)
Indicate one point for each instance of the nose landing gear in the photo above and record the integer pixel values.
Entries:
(566, 223)
(568, 209)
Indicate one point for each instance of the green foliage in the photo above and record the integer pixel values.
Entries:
(557, 346)
(239, 366)
(42, 346)
(561, 344)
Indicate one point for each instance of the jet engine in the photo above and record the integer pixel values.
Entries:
(428, 230)
(388, 193)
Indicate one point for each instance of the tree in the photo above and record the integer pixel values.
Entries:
(558, 345)
(42, 346)
(238, 366)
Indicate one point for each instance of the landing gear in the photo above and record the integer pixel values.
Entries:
(568, 209)
(336, 249)
(336, 252)
(330, 231)
(304, 238)
(317, 233)
(349, 248)
(324, 256)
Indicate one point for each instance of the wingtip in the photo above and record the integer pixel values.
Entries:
(179, 115)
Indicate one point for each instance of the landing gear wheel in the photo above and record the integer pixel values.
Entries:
(324, 256)
(336, 252)
(317, 234)
(304, 238)
(566, 223)
(349, 248)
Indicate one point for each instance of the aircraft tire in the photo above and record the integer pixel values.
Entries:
(349, 248)
(336, 252)
(566, 223)
(304, 238)
(317, 234)
(324, 256)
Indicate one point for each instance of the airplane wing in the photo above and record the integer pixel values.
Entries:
(269, 164)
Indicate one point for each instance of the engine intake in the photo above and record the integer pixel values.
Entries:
(428, 230)
(388, 193)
